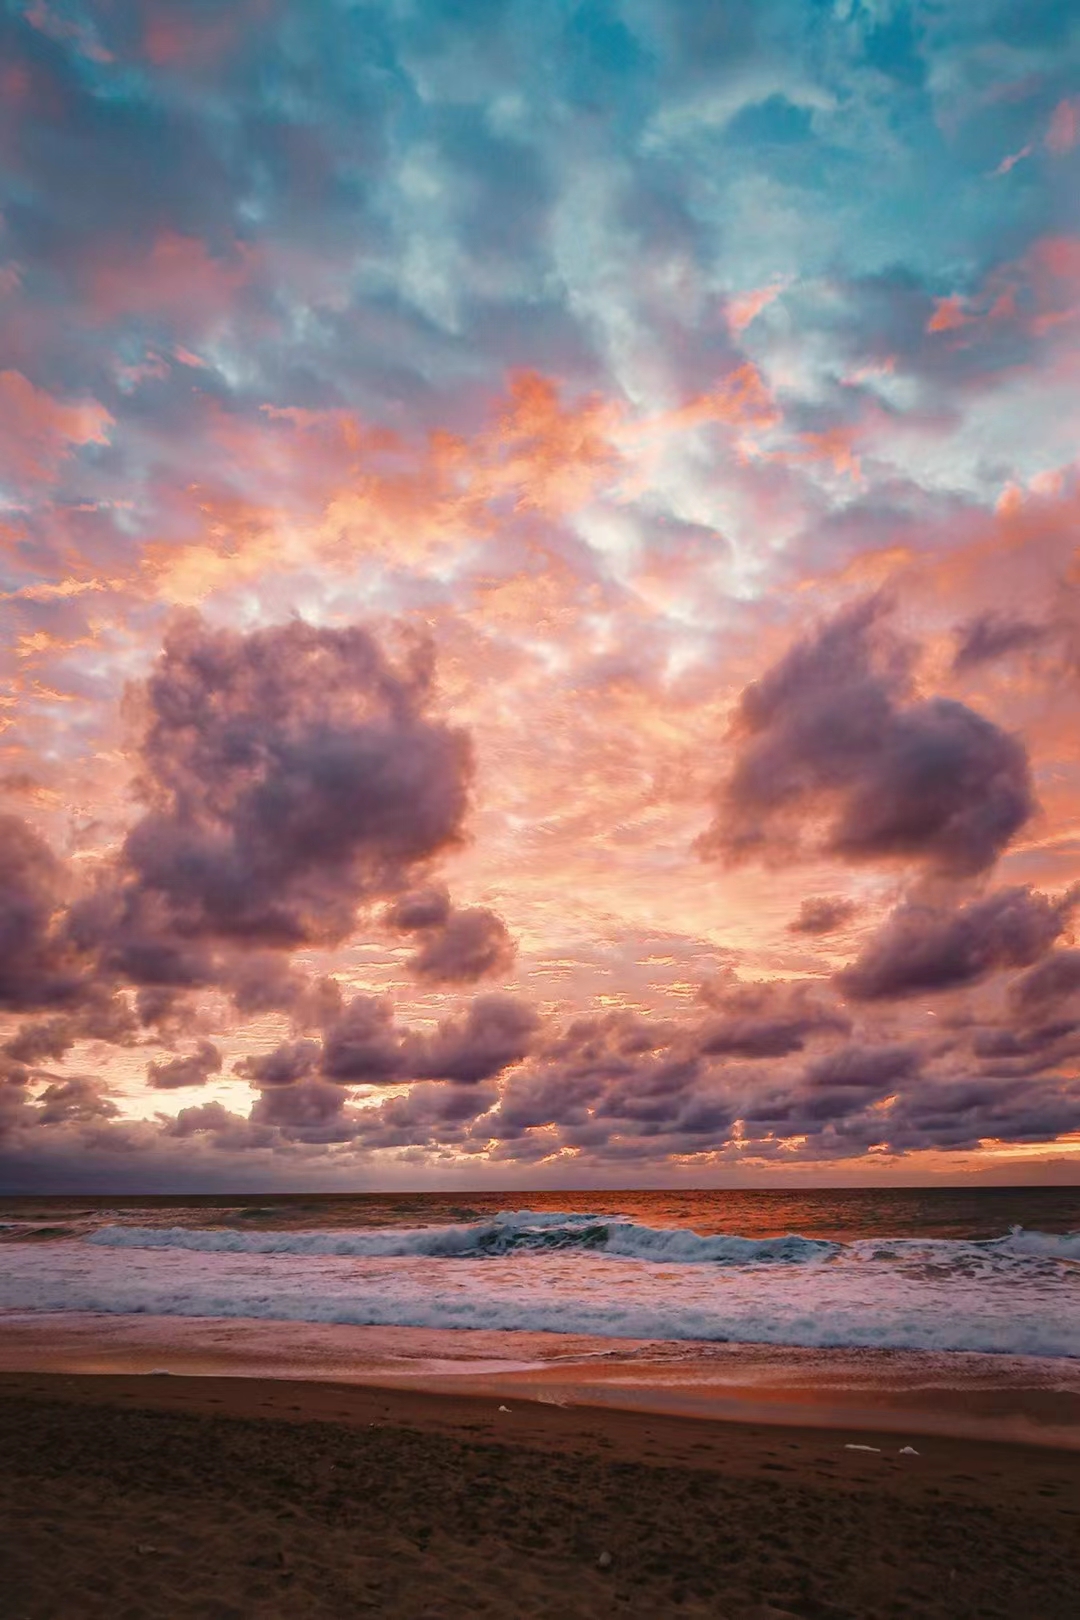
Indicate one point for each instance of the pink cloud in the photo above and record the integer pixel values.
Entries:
(176, 37)
(1064, 130)
(176, 277)
(949, 313)
(1039, 292)
(1010, 162)
(742, 308)
(37, 431)
(41, 17)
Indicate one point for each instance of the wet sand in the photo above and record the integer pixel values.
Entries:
(972, 1396)
(133, 1496)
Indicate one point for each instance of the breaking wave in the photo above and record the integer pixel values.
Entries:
(508, 1233)
(513, 1231)
(523, 1271)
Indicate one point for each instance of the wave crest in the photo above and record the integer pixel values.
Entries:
(508, 1232)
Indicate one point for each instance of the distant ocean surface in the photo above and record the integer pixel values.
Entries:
(994, 1270)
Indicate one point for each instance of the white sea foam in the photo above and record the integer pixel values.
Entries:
(1018, 1294)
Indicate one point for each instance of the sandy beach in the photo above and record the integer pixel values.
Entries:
(134, 1496)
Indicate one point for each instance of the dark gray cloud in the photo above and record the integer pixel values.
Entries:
(994, 635)
(264, 981)
(1049, 983)
(37, 1042)
(766, 1020)
(1035, 1049)
(161, 1006)
(495, 1032)
(428, 1115)
(923, 949)
(609, 1090)
(38, 965)
(457, 945)
(132, 936)
(471, 943)
(226, 1131)
(960, 1114)
(99, 1016)
(78, 1099)
(282, 1067)
(616, 1089)
(290, 779)
(420, 910)
(822, 914)
(365, 1046)
(290, 776)
(192, 1069)
(832, 736)
(757, 1037)
(312, 1109)
(868, 1068)
(1042, 1042)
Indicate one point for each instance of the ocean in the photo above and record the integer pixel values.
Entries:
(685, 1298)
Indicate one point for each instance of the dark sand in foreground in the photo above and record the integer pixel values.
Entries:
(136, 1497)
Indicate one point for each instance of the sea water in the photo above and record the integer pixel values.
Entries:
(687, 1289)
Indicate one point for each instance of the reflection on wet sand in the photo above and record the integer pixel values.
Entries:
(960, 1394)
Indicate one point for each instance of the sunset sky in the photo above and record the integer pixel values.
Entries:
(539, 580)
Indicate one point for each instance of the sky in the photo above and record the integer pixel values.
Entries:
(538, 563)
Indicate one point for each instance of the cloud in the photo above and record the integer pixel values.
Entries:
(960, 1114)
(38, 431)
(228, 1132)
(312, 1109)
(427, 1115)
(284, 1065)
(365, 1046)
(420, 910)
(291, 775)
(924, 949)
(866, 1068)
(264, 981)
(98, 1016)
(458, 945)
(194, 1069)
(1051, 981)
(134, 936)
(832, 738)
(472, 943)
(495, 1032)
(1027, 1051)
(1064, 131)
(290, 778)
(822, 914)
(38, 967)
(993, 635)
(48, 1038)
(78, 1099)
(767, 1037)
(768, 1019)
(620, 1089)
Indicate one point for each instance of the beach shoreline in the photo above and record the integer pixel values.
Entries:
(173, 1495)
(962, 1396)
